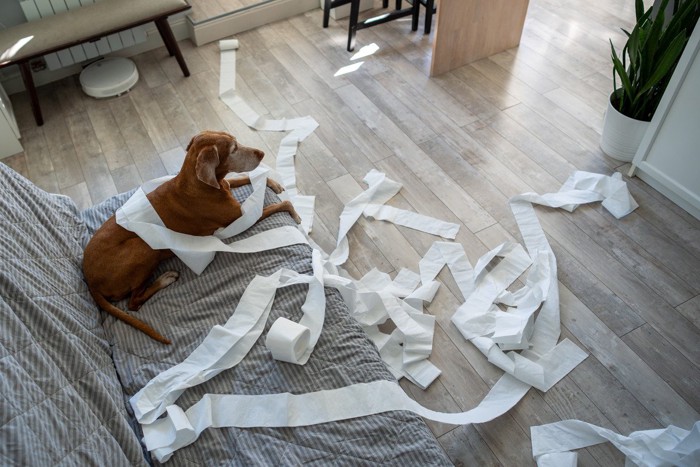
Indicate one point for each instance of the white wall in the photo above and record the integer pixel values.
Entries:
(669, 155)
(678, 143)
(11, 13)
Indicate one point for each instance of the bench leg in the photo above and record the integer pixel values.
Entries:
(26, 72)
(171, 44)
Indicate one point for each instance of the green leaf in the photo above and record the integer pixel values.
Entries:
(649, 56)
(667, 63)
(624, 77)
(632, 46)
(651, 45)
(684, 19)
(639, 9)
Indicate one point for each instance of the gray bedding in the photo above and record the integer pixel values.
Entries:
(61, 398)
(67, 369)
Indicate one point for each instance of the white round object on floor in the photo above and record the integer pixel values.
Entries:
(109, 77)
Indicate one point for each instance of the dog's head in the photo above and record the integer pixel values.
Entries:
(216, 153)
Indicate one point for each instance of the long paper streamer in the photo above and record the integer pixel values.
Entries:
(299, 129)
(181, 428)
(544, 364)
(671, 446)
(376, 298)
(225, 346)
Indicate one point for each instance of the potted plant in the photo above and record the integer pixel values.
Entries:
(644, 69)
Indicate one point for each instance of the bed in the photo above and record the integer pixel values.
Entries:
(68, 369)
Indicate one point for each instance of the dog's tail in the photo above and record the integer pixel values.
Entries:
(103, 303)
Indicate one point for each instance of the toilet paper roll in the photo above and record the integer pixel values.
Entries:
(287, 340)
(229, 44)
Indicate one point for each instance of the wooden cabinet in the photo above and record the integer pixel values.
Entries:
(468, 30)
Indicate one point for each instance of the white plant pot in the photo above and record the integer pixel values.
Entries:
(621, 134)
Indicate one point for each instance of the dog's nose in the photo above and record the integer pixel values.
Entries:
(258, 153)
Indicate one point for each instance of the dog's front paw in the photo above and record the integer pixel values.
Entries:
(275, 185)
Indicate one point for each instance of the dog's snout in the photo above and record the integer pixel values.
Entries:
(244, 159)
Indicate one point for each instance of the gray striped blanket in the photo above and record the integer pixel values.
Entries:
(68, 370)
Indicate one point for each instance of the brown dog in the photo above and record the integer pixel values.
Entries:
(198, 201)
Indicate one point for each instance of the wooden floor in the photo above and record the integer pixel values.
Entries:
(461, 144)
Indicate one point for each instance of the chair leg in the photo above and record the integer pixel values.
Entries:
(352, 28)
(415, 15)
(429, 9)
(171, 44)
(327, 12)
(385, 4)
(398, 4)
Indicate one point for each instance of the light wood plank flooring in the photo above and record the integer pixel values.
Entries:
(461, 144)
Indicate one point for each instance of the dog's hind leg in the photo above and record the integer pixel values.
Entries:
(143, 293)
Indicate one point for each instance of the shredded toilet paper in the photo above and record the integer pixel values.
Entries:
(181, 428)
(495, 319)
(137, 215)
(542, 364)
(671, 446)
(225, 346)
(299, 129)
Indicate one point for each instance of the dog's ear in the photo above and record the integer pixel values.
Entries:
(207, 162)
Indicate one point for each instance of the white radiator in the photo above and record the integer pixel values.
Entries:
(9, 132)
(35, 9)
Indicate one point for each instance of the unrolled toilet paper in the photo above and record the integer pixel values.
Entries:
(376, 298)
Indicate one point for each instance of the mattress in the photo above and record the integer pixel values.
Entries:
(344, 355)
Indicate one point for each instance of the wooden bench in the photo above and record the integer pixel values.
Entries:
(22, 43)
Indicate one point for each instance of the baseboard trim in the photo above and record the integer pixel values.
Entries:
(242, 20)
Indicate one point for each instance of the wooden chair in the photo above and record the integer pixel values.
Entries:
(430, 10)
(355, 24)
(328, 5)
